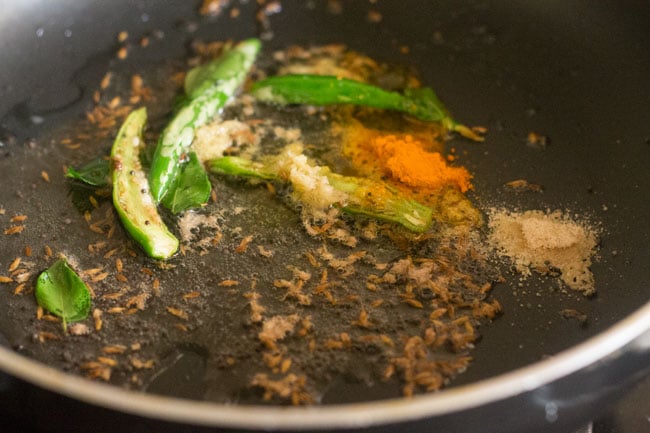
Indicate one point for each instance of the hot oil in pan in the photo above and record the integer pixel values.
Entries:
(255, 309)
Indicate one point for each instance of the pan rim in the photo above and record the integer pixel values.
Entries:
(634, 329)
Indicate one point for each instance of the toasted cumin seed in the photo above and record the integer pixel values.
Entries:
(110, 253)
(116, 349)
(243, 245)
(106, 81)
(147, 271)
(19, 289)
(122, 53)
(228, 283)
(14, 265)
(178, 313)
(14, 230)
(44, 335)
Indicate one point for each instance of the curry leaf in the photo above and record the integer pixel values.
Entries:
(95, 173)
(60, 291)
(191, 189)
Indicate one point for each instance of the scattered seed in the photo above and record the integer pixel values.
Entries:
(44, 335)
(28, 251)
(191, 295)
(18, 218)
(106, 81)
(95, 228)
(374, 16)
(116, 349)
(116, 310)
(286, 364)
(45, 176)
(48, 251)
(99, 277)
(139, 364)
(39, 312)
(110, 253)
(122, 36)
(178, 313)
(181, 327)
(107, 361)
(115, 102)
(228, 283)
(14, 230)
(19, 289)
(414, 303)
(243, 245)
(4, 279)
(119, 266)
(122, 53)
(14, 265)
(264, 252)
(136, 83)
(91, 271)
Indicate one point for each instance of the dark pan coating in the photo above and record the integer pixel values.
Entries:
(573, 73)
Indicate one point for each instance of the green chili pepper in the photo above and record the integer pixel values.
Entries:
(421, 103)
(131, 195)
(208, 87)
(363, 196)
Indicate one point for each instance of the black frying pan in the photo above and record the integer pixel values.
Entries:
(576, 72)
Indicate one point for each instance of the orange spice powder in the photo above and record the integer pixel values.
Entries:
(406, 160)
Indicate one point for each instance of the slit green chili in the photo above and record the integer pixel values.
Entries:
(421, 103)
(374, 199)
(131, 195)
(208, 88)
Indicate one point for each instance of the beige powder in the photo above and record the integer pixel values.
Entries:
(541, 241)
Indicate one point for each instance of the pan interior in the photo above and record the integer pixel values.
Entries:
(476, 48)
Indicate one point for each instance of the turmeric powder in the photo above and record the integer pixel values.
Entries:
(413, 159)
(406, 161)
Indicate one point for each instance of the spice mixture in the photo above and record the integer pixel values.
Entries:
(545, 242)
(278, 303)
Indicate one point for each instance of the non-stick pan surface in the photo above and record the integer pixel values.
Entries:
(575, 72)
